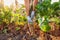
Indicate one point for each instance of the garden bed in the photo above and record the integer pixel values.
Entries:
(31, 33)
(14, 24)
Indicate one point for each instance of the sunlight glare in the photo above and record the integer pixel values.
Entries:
(9, 2)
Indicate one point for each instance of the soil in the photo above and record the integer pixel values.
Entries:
(30, 32)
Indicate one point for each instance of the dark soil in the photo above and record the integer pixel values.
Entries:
(30, 32)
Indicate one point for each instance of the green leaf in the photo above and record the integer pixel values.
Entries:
(17, 28)
(55, 19)
(45, 28)
(5, 31)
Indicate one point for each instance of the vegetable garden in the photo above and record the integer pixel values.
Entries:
(45, 25)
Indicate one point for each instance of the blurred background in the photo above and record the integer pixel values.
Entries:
(10, 2)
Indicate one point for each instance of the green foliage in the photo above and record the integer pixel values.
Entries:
(45, 28)
(46, 8)
(4, 31)
(1, 17)
(17, 28)
(55, 19)
(9, 16)
(44, 24)
(18, 19)
(44, 12)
